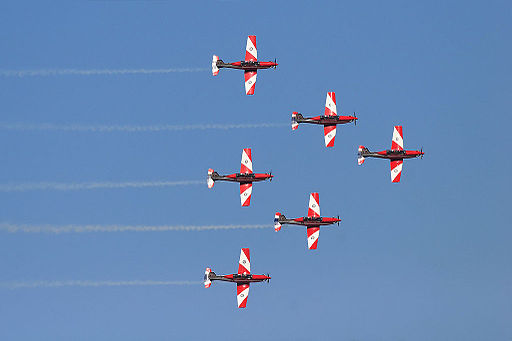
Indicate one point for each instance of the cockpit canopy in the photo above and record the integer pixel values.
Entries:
(249, 63)
(312, 218)
(332, 118)
(248, 175)
(247, 276)
(395, 152)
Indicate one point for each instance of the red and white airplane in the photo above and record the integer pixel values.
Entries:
(396, 154)
(250, 65)
(242, 278)
(330, 119)
(246, 177)
(313, 221)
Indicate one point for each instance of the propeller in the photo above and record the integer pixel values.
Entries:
(355, 121)
(268, 279)
(421, 151)
(275, 63)
(270, 173)
(338, 220)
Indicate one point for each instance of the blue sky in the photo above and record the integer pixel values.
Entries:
(427, 259)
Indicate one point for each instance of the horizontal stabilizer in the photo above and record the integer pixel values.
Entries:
(277, 224)
(215, 69)
(211, 182)
(207, 281)
(360, 157)
(295, 124)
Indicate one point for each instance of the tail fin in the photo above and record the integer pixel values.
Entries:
(295, 124)
(207, 281)
(215, 69)
(211, 182)
(360, 152)
(277, 224)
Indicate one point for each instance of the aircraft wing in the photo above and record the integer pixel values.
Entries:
(250, 82)
(251, 53)
(313, 234)
(398, 140)
(245, 193)
(246, 163)
(244, 264)
(330, 104)
(396, 170)
(314, 205)
(329, 134)
(242, 293)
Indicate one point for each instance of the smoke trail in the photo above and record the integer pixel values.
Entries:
(57, 284)
(93, 185)
(131, 128)
(92, 72)
(15, 228)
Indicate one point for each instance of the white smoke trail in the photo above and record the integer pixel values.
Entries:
(57, 284)
(92, 72)
(132, 128)
(92, 185)
(20, 228)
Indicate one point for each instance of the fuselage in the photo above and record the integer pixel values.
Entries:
(310, 221)
(242, 177)
(394, 154)
(247, 66)
(326, 119)
(239, 278)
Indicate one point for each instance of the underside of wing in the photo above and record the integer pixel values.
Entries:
(250, 82)
(313, 234)
(251, 53)
(242, 292)
(245, 193)
(314, 205)
(398, 140)
(329, 134)
(244, 263)
(396, 170)
(330, 104)
(246, 163)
